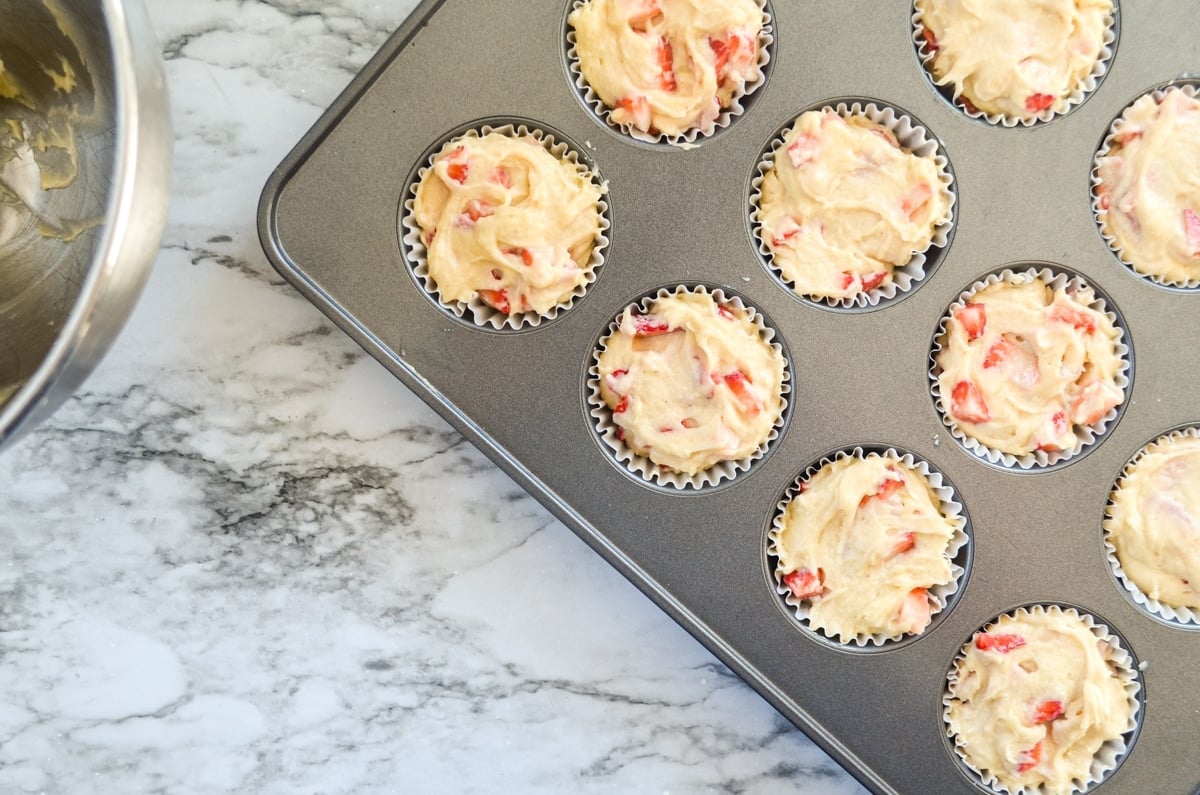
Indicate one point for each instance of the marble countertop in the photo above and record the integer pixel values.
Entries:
(244, 558)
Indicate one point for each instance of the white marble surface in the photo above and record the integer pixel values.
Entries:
(245, 559)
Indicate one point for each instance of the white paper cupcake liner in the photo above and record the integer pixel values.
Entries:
(1191, 88)
(1181, 616)
(640, 466)
(914, 138)
(690, 138)
(1110, 754)
(476, 310)
(1076, 98)
(941, 595)
(1087, 435)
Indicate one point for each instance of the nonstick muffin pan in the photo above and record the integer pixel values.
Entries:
(859, 376)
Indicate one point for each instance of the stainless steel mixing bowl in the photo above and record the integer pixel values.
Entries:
(85, 158)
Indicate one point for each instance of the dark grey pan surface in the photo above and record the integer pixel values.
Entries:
(328, 221)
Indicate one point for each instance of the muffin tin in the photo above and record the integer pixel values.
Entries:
(330, 223)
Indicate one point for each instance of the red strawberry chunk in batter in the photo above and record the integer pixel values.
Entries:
(998, 642)
(1036, 103)
(666, 66)
(1191, 226)
(967, 404)
(805, 584)
(973, 319)
(1048, 711)
(1030, 759)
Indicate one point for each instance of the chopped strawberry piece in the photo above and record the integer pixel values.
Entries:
(873, 280)
(636, 110)
(968, 105)
(497, 274)
(1078, 317)
(497, 299)
(967, 404)
(1048, 711)
(622, 405)
(477, 209)
(724, 312)
(1001, 352)
(887, 488)
(915, 614)
(1102, 191)
(915, 199)
(525, 254)
(973, 319)
(1036, 103)
(847, 279)
(429, 236)
(690, 422)
(500, 177)
(649, 326)
(1030, 759)
(904, 542)
(804, 149)
(1191, 226)
(736, 381)
(457, 167)
(666, 66)
(805, 584)
(620, 433)
(1058, 429)
(618, 373)
(786, 230)
(721, 54)
(1095, 399)
(998, 641)
(931, 41)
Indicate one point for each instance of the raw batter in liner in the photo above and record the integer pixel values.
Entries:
(691, 382)
(1155, 522)
(864, 541)
(667, 66)
(843, 205)
(1150, 187)
(1015, 58)
(505, 220)
(1025, 365)
(1035, 700)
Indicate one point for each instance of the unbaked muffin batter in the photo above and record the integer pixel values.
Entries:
(691, 382)
(863, 542)
(1025, 367)
(667, 66)
(1036, 698)
(1150, 187)
(505, 220)
(1155, 522)
(843, 205)
(1016, 58)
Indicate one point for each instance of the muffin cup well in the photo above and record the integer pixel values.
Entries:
(1085, 88)
(957, 551)
(913, 137)
(1056, 279)
(694, 136)
(1110, 755)
(1189, 87)
(1185, 617)
(476, 311)
(641, 467)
